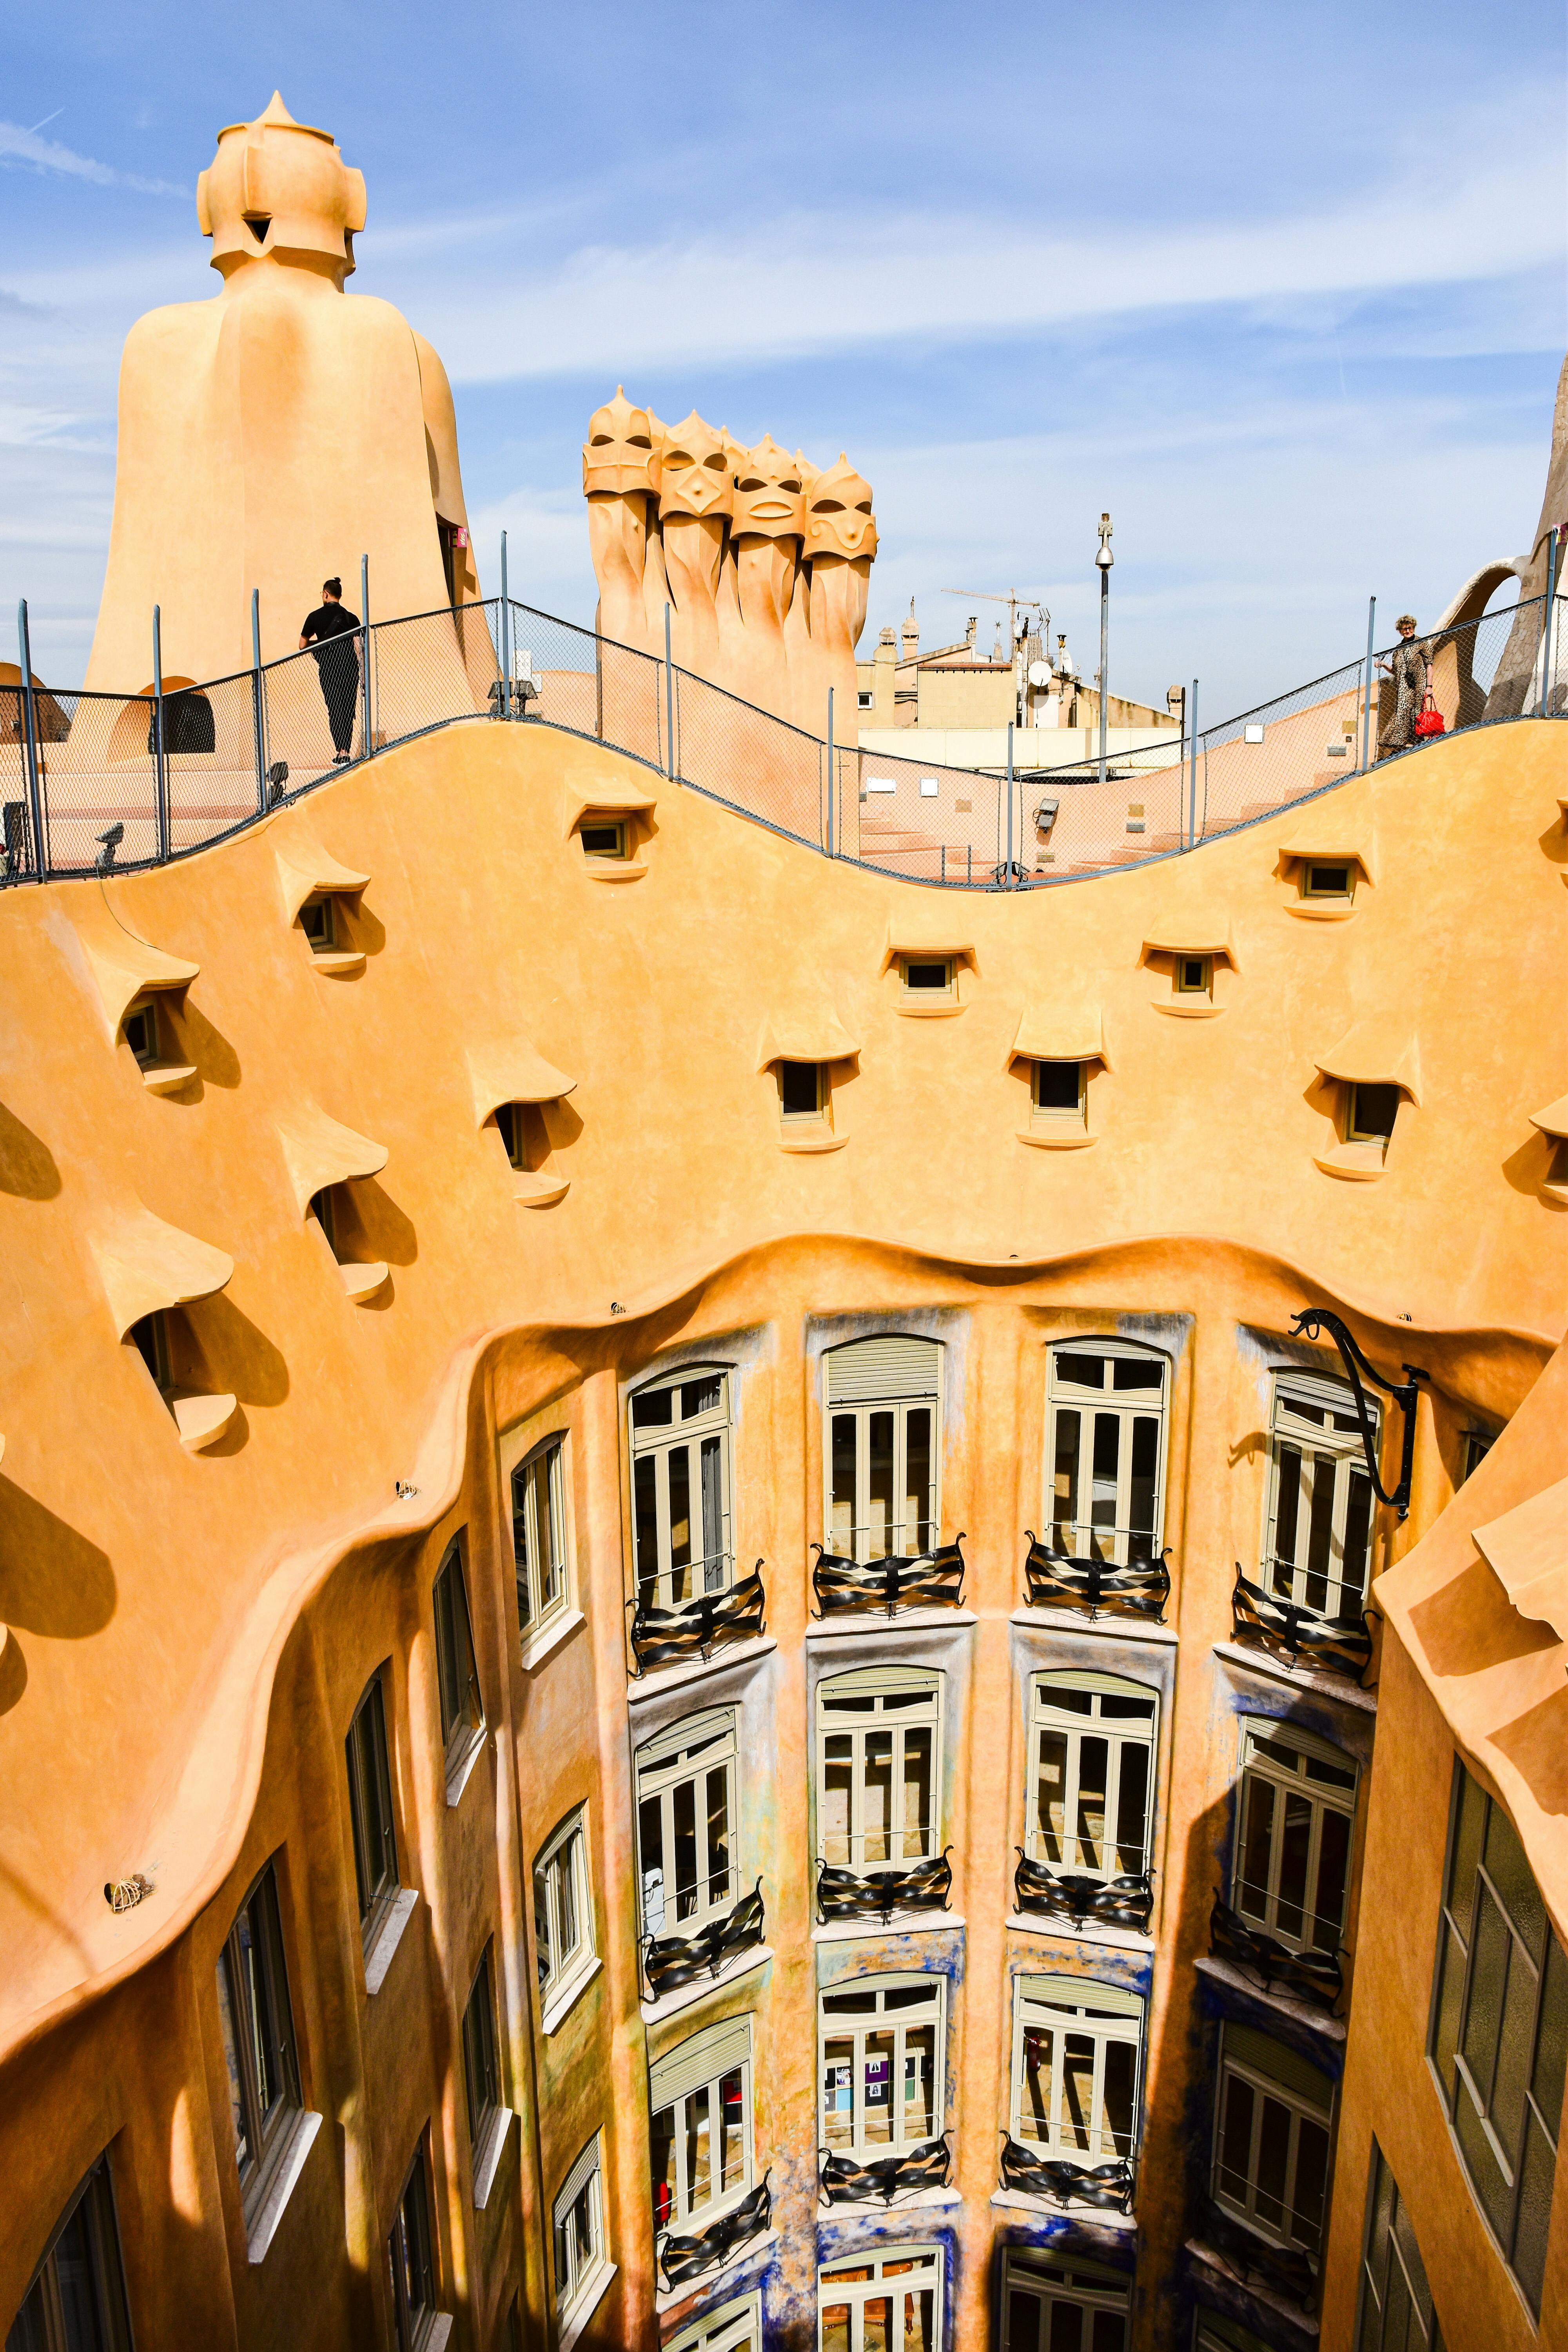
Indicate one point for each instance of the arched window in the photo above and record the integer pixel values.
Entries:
(881, 1458)
(680, 1486)
(1105, 1449)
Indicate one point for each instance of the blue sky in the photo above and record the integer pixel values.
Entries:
(1283, 288)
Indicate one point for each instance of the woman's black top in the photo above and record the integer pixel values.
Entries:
(330, 621)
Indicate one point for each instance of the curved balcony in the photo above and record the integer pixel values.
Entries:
(1107, 2186)
(1124, 1902)
(1309, 1975)
(844, 1893)
(1284, 2269)
(927, 1580)
(675, 1633)
(843, 2181)
(1339, 1646)
(1065, 1579)
(688, 2256)
(672, 1963)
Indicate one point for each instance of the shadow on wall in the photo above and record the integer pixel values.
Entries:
(1537, 1742)
(1463, 1632)
(1528, 1168)
(27, 1167)
(240, 1357)
(52, 1580)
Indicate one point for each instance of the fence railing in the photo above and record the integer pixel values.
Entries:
(93, 782)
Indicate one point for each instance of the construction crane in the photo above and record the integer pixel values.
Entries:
(1013, 599)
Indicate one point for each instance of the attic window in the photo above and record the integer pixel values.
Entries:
(928, 977)
(142, 1031)
(603, 837)
(524, 1134)
(334, 1211)
(258, 224)
(802, 1091)
(1061, 1095)
(1323, 879)
(1194, 975)
(318, 920)
(1370, 1114)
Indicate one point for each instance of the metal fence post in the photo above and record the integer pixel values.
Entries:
(1192, 785)
(669, 697)
(505, 654)
(365, 746)
(30, 738)
(1009, 869)
(256, 697)
(1371, 688)
(1546, 661)
(160, 745)
(830, 775)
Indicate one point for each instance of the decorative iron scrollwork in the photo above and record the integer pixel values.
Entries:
(843, 1894)
(1309, 1324)
(1341, 1644)
(670, 1963)
(683, 2258)
(1314, 1975)
(1061, 1580)
(927, 1580)
(670, 1636)
(843, 2181)
(1107, 2186)
(1286, 2269)
(1125, 1902)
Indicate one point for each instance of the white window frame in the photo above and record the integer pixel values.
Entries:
(603, 821)
(899, 2022)
(900, 1698)
(703, 2064)
(564, 1857)
(735, 2327)
(687, 1754)
(1052, 2278)
(898, 1374)
(926, 995)
(1261, 1904)
(1059, 1115)
(1181, 985)
(818, 1111)
(1101, 2013)
(542, 1476)
(1082, 1535)
(896, 2272)
(1312, 866)
(1050, 1716)
(576, 2276)
(1302, 2108)
(711, 1568)
(1335, 1455)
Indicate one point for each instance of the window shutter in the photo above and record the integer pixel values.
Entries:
(690, 1729)
(1266, 2056)
(1071, 1678)
(1091, 1343)
(866, 1681)
(717, 2050)
(1218, 2334)
(1081, 1992)
(1291, 1386)
(871, 1369)
(1268, 1727)
(572, 2188)
(733, 2327)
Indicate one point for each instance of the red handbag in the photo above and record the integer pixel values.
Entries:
(1429, 719)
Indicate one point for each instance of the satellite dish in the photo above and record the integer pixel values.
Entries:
(1039, 675)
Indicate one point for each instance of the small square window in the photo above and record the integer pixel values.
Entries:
(864, 701)
(456, 1674)
(801, 1090)
(1475, 1445)
(928, 976)
(1060, 1093)
(152, 1338)
(142, 1031)
(1371, 1113)
(319, 921)
(603, 837)
(1195, 975)
(1319, 880)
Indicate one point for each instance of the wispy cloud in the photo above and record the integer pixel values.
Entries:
(18, 146)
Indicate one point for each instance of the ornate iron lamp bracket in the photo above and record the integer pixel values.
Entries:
(1309, 1324)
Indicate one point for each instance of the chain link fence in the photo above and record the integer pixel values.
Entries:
(92, 782)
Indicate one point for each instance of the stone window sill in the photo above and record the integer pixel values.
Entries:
(388, 1938)
(668, 1678)
(549, 1637)
(614, 869)
(166, 1077)
(873, 2209)
(488, 2154)
(289, 2166)
(1260, 1662)
(872, 1620)
(1110, 1626)
(1036, 1922)
(1304, 2321)
(1192, 1012)
(811, 1136)
(589, 2296)
(562, 1998)
(655, 2012)
(1096, 2216)
(1071, 1140)
(1314, 911)
(902, 1923)
(461, 1771)
(1301, 2012)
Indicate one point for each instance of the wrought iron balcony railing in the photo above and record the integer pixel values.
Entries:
(1286, 2269)
(1311, 1976)
(673, 1635)
(1124, 1902)
(687, 2257)
(672, 1963)
(927, 1580)
(1061, 1579)
(843, 1894)
(844, 2181)
(1341, 1644)
(1107, 2186)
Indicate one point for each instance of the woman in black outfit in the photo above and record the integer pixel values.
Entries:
(333, 627)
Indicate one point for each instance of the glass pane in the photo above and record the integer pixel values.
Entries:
(1077, 2119)
(1136, 1372)
(1468, 1834)
(1064, 1500)
(680, 1461)
(1273, 2164)
(838, 1782)
(1116, 2121)
(1483, 2010)
(1023, 2323)
(1140, 1498)
(920, 2322)
(1551, 2047)
(1287, 1515)
(550, 1522)
(1486, 2176)
(879, 1539)
(650, 1846)
(1034, 2105)
(683, 1809)
(844, 1483)
(1050, 1795)
(544, 1942)
(562, 1870)
(1358, 1538)
(701, 1395)
(835, 2328)
(698, 2149)
(520, 1543)
(1082, 1371)
(1320, 1534)
(1107, 1464)
(662, 2146)
(876, 1844)
(1067, 2327)
(719, 1887)
(253, 2004)
(838, 2090)
(1333, 1876)
(1509, 1873)
(1089, 1818)
(877, 2325)
(1311, 2177)
(1295, 1852)
(917, 1534)
(644, 1517)
(1235, 2139)
(1445, 2032)
(1505, 2108)
(1132, 1808)
(73, 2268)
(231, 2058)
(729, 2156)
(877, 2089)
(917, 1795)
(1534, 2212)
(712, 1529)
(919, 2084)
(1109, 2332)
(1257, 1846)
(652, 1409)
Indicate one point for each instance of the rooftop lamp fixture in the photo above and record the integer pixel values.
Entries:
(1312, 1320)
(1103, 561)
